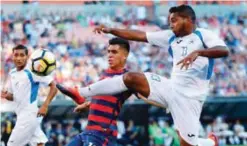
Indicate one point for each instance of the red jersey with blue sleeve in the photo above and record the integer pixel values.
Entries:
(104, 110)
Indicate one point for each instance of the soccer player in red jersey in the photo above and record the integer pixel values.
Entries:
(103, 110)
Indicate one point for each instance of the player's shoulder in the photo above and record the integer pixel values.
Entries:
(12, 71)
(28, 71)
(166, 32)
(204, 31)
(30, 74)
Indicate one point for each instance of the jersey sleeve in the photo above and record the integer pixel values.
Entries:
(211, 39)
(43, 79)
(159, 38)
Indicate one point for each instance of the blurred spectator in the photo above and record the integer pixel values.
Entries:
(155, 134)
(130, 135)
(238, 127)
(61, 131)
(6, 130)
(170, 134)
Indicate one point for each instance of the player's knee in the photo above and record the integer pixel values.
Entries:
(128, 79)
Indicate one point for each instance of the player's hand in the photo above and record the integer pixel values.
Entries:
(101, 29)
(4, 94)
(188, 60)
(42, 111)
(82, 107)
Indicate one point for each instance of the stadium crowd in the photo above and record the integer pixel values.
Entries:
(161, 132)
(81, 54)
(61, 131)
(81, 58)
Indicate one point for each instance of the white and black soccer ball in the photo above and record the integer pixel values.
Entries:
(43, 62)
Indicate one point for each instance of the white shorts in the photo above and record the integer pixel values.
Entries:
(185, 111)
(27, 131)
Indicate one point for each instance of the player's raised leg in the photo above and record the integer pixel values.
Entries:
(147, 86)
(137, 82)
(71, 92)
(133, 81)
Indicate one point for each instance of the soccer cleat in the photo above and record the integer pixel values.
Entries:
(73, 93)
(213, 137)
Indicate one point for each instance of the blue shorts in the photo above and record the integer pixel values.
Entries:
(92, 138)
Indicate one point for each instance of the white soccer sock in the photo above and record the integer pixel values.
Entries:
(108, 86)
(205, 142)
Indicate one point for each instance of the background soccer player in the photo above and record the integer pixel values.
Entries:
(22, 89)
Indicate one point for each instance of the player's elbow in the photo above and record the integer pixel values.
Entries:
(221, 51)
(10, 98)
(225, 52)
(143, 37)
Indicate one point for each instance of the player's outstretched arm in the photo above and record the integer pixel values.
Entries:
(134, 35)
(44, 108)
(214, 52)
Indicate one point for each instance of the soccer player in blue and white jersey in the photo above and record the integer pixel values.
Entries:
(22, 89)
(193, 50)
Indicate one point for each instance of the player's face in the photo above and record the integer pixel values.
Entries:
(177, 24)
(19, 58)
(116, 57)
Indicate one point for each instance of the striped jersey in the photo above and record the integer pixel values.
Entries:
(104, 110)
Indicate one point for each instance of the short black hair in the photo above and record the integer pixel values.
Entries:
(21, 47)
(121, 42)
(184, 11)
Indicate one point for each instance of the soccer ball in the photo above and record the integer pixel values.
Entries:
(43, 62)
